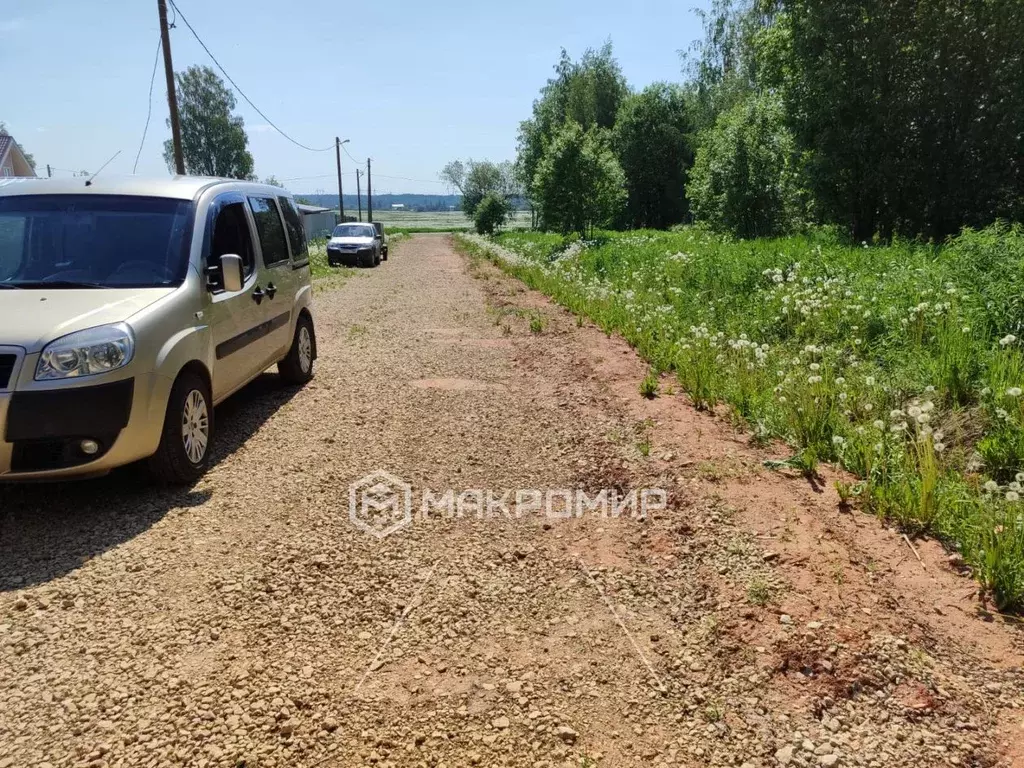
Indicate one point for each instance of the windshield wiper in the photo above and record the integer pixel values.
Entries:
(57, 284)
(12, 286)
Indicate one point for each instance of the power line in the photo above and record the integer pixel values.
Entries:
(321, 176)
(406, 178)
(240, 91)
(349, 155)
(149, 104)
(352, 173)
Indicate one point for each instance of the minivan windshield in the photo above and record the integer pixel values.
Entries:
(354, 230)
(94, 241)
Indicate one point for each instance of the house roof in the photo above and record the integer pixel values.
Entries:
(303, 208)
(9, 145)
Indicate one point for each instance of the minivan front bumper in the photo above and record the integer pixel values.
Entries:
(43, 429)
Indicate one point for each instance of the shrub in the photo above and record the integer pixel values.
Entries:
(743, 179)
(492, 213)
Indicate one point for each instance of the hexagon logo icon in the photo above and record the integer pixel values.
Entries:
(380, 503)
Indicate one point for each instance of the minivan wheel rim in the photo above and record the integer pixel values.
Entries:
(305, 349)
(195, 426)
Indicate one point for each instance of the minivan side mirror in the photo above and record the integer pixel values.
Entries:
(231, 272)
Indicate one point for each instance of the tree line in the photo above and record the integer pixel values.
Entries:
(881, 117)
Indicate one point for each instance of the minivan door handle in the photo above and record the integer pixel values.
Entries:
(257, 295)
(270, 290)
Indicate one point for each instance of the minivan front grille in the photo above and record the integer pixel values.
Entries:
(6, 368)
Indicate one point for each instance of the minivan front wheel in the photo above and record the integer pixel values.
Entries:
(297, 365)
(184, 451)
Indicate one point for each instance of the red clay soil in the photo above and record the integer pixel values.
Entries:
(845, 569)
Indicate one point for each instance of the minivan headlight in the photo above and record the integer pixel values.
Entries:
(85, 353)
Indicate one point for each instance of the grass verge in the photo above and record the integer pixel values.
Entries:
(901, 363)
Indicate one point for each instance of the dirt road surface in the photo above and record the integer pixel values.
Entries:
(249, 622)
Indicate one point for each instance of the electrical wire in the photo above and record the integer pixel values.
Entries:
(352, 173)
(350, 155)
(406, 178)
(321, 176)
(149, 104)
(240, 91)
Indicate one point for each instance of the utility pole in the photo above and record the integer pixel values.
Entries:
(369, 193)
(172, 97)
(359, 196)
(49, 172)
(341, 197)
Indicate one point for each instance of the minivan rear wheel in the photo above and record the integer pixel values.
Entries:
(297, 365)
(184, 452)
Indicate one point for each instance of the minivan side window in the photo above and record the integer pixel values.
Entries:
(271, 230)
(231, 234)
(296, 232)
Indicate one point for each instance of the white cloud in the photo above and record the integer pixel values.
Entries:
(262, 128)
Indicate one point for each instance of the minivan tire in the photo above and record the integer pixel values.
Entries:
(172, 464)
(297, 365)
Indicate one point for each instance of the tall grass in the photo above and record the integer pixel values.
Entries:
(903, 363)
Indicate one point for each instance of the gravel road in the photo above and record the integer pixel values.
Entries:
(249, 622)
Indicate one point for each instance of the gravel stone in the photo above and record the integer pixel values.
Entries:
(248, 621)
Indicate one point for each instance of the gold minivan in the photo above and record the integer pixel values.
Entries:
(129, 308)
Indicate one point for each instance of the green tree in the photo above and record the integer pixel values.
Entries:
(736, 57)
(911, 115)
(476, 179)
(273, 181)
(743, 180)
(579, 183)
(588, 92)
(213, 141)
(651, 143)
(492, 213)
(28, 158)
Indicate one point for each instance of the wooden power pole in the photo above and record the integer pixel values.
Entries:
(172, 97)
(341, 197)
(369, 193)
(359, 196)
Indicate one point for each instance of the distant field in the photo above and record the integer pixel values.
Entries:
(413, 220)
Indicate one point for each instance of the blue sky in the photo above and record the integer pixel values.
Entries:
(411, 84)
